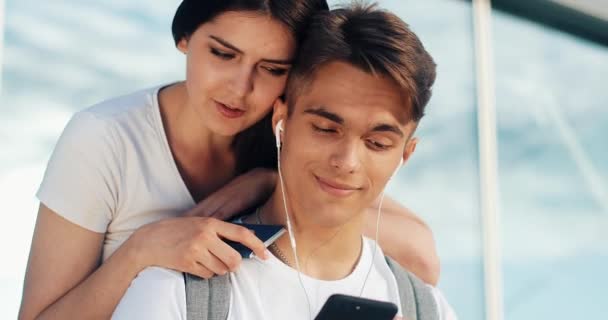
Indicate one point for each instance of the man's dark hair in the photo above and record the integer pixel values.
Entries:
(371, 39)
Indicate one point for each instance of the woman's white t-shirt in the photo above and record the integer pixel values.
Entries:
(112, 170)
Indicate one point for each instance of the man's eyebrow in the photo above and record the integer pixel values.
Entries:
(321, 112)
(388, 128)
(232, 47)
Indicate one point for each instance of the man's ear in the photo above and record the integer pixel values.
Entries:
(182, 45)
(279, 112)
(410, 147)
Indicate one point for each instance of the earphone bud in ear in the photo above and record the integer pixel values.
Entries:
(277, 132)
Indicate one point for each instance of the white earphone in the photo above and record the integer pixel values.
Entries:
(277, 132)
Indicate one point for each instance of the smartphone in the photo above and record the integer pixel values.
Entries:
(339, 306)
(268, 233)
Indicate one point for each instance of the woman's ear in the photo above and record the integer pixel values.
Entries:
(182, 45)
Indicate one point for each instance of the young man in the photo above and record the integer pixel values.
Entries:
(354, 100)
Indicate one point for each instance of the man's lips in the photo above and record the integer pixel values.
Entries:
(336, 188)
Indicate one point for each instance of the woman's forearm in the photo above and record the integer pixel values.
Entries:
(98, 295)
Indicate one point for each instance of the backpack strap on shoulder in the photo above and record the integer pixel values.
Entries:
(417, 300)
(207, 299)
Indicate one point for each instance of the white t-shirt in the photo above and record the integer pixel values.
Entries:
(265, 290)
(112, 170)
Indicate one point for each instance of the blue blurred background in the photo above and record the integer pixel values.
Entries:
(551, 96)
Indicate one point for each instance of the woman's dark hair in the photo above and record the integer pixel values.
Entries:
(295, 14)
(254, 147)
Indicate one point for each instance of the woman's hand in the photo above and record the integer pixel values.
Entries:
(194, 245)
(243, 192)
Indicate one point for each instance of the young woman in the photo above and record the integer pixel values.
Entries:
(133, 181)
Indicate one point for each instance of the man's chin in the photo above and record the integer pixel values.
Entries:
(334, 216)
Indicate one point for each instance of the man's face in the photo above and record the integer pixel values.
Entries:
(344, 139)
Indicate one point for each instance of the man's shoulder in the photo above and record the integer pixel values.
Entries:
(417, 298)
(156, 293)
(160, 280)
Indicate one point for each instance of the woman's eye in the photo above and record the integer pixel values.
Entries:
(276, 71)
(222, 55)
(323, 130)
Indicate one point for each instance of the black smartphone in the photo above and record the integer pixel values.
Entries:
(268, 233)
(340, 306)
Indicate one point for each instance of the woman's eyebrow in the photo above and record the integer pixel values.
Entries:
(234, 48)
(225, 43)
(279, 61)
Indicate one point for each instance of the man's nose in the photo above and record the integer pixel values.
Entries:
(346, 158)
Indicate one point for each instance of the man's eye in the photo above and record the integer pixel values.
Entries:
(377, 145)
(222, 55)
(323, 130)
(276, 71)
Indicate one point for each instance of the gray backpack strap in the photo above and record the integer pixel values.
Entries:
(417, 300)
(207, 299)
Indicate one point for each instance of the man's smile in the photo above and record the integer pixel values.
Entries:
(336, 188)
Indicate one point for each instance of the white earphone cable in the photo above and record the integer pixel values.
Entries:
(292, 238)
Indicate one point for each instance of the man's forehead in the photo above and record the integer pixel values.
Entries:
(343, 88)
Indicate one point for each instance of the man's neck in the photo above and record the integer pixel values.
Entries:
(326, 253)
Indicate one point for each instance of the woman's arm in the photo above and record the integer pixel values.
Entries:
(405, 238)
(57, 282)
(64, 278)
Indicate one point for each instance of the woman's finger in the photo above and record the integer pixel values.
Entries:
(212, 262)
(243, 235)
(227, 255)
(200, 271)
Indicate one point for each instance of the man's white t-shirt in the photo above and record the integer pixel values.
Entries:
(112, 170)
(263, 290)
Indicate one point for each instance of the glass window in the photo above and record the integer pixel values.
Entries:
(553, 167)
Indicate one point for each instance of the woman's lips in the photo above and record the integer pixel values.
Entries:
(228, 111)
(334, 188)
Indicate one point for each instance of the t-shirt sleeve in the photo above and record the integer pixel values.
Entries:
(156, 294)
(81, 178)
(446, 312)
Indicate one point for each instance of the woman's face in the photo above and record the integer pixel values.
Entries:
(237, 66)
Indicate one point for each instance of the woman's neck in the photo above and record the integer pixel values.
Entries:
(184, 125)
(205, 160)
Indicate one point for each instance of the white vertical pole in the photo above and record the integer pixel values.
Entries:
(1, 41)
(488, 159)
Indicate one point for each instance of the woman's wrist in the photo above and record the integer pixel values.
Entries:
(134, 250)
